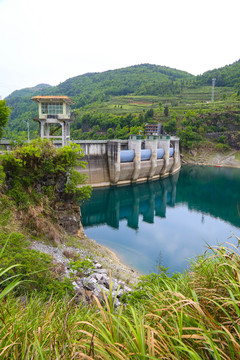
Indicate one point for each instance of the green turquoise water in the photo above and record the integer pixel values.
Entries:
(166, 222)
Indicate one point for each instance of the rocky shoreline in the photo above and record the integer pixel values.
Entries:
(212, 158)
(106, 269)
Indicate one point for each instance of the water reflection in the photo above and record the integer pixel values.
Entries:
(173, 217)
(213, 191)
(109, 206)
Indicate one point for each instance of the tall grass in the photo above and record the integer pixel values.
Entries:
(190, 316)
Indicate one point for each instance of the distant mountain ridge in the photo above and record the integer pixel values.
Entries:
(140, 79)
(94, 89)
(112, 82)
(228, 75)
(28, 91)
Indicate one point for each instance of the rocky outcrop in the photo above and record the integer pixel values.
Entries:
(211, 157)
(93, 281)
(98, 282)
(68, 216)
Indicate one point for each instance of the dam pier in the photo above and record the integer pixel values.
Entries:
(122, 162)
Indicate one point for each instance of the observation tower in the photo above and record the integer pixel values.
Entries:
(53, 115)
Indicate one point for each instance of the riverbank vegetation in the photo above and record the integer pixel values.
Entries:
(39, 173)
(35, 179)
(187, 316)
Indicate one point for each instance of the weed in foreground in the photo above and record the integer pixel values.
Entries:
(189, 316)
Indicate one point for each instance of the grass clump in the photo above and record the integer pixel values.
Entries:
(188, 316)
(81, 266)
(37, 269)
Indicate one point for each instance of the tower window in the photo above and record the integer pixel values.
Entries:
(52, 108)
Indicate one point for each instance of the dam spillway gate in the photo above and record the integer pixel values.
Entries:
(122, 162)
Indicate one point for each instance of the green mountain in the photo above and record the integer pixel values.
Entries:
(142, 79)
(228, 75)
(31, 91)
(97, 87)
(117, 102)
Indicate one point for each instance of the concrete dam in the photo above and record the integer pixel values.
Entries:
(121, 162)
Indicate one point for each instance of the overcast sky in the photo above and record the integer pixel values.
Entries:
(49, 41)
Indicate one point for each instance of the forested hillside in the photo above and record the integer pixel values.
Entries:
(116, 103)
(96, 88)
(228, 75)
(143, 79)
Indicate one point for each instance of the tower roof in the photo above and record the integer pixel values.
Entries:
(50, 98)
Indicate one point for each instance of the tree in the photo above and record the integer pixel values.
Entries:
(4, 114)
(188, 137)
(171, 126)
(166, 111)
(110, 133)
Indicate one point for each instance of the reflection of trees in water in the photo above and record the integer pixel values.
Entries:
(210, 190)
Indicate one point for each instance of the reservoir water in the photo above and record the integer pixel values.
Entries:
(169, 221)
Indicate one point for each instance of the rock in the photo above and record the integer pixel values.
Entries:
(120, 293)
(105, 281)
(127, 289)
(117, 303)
(98, 277)
(98, 266)
(91, 284)
(115, 286)
(94, 282)
(68, 215)
(102, 271)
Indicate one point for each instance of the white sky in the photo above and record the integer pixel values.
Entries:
(49, 41)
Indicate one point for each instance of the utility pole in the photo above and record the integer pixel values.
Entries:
(27, 121)
(213, 84)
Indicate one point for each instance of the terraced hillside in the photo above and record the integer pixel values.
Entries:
(117, 103)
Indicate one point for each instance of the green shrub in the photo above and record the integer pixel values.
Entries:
(2, 176)
(39, 170)
(36, 268)
(222, 147)
(81, 265)
(188, 137)
(222, 139)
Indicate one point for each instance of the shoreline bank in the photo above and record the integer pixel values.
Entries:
(211, 158)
